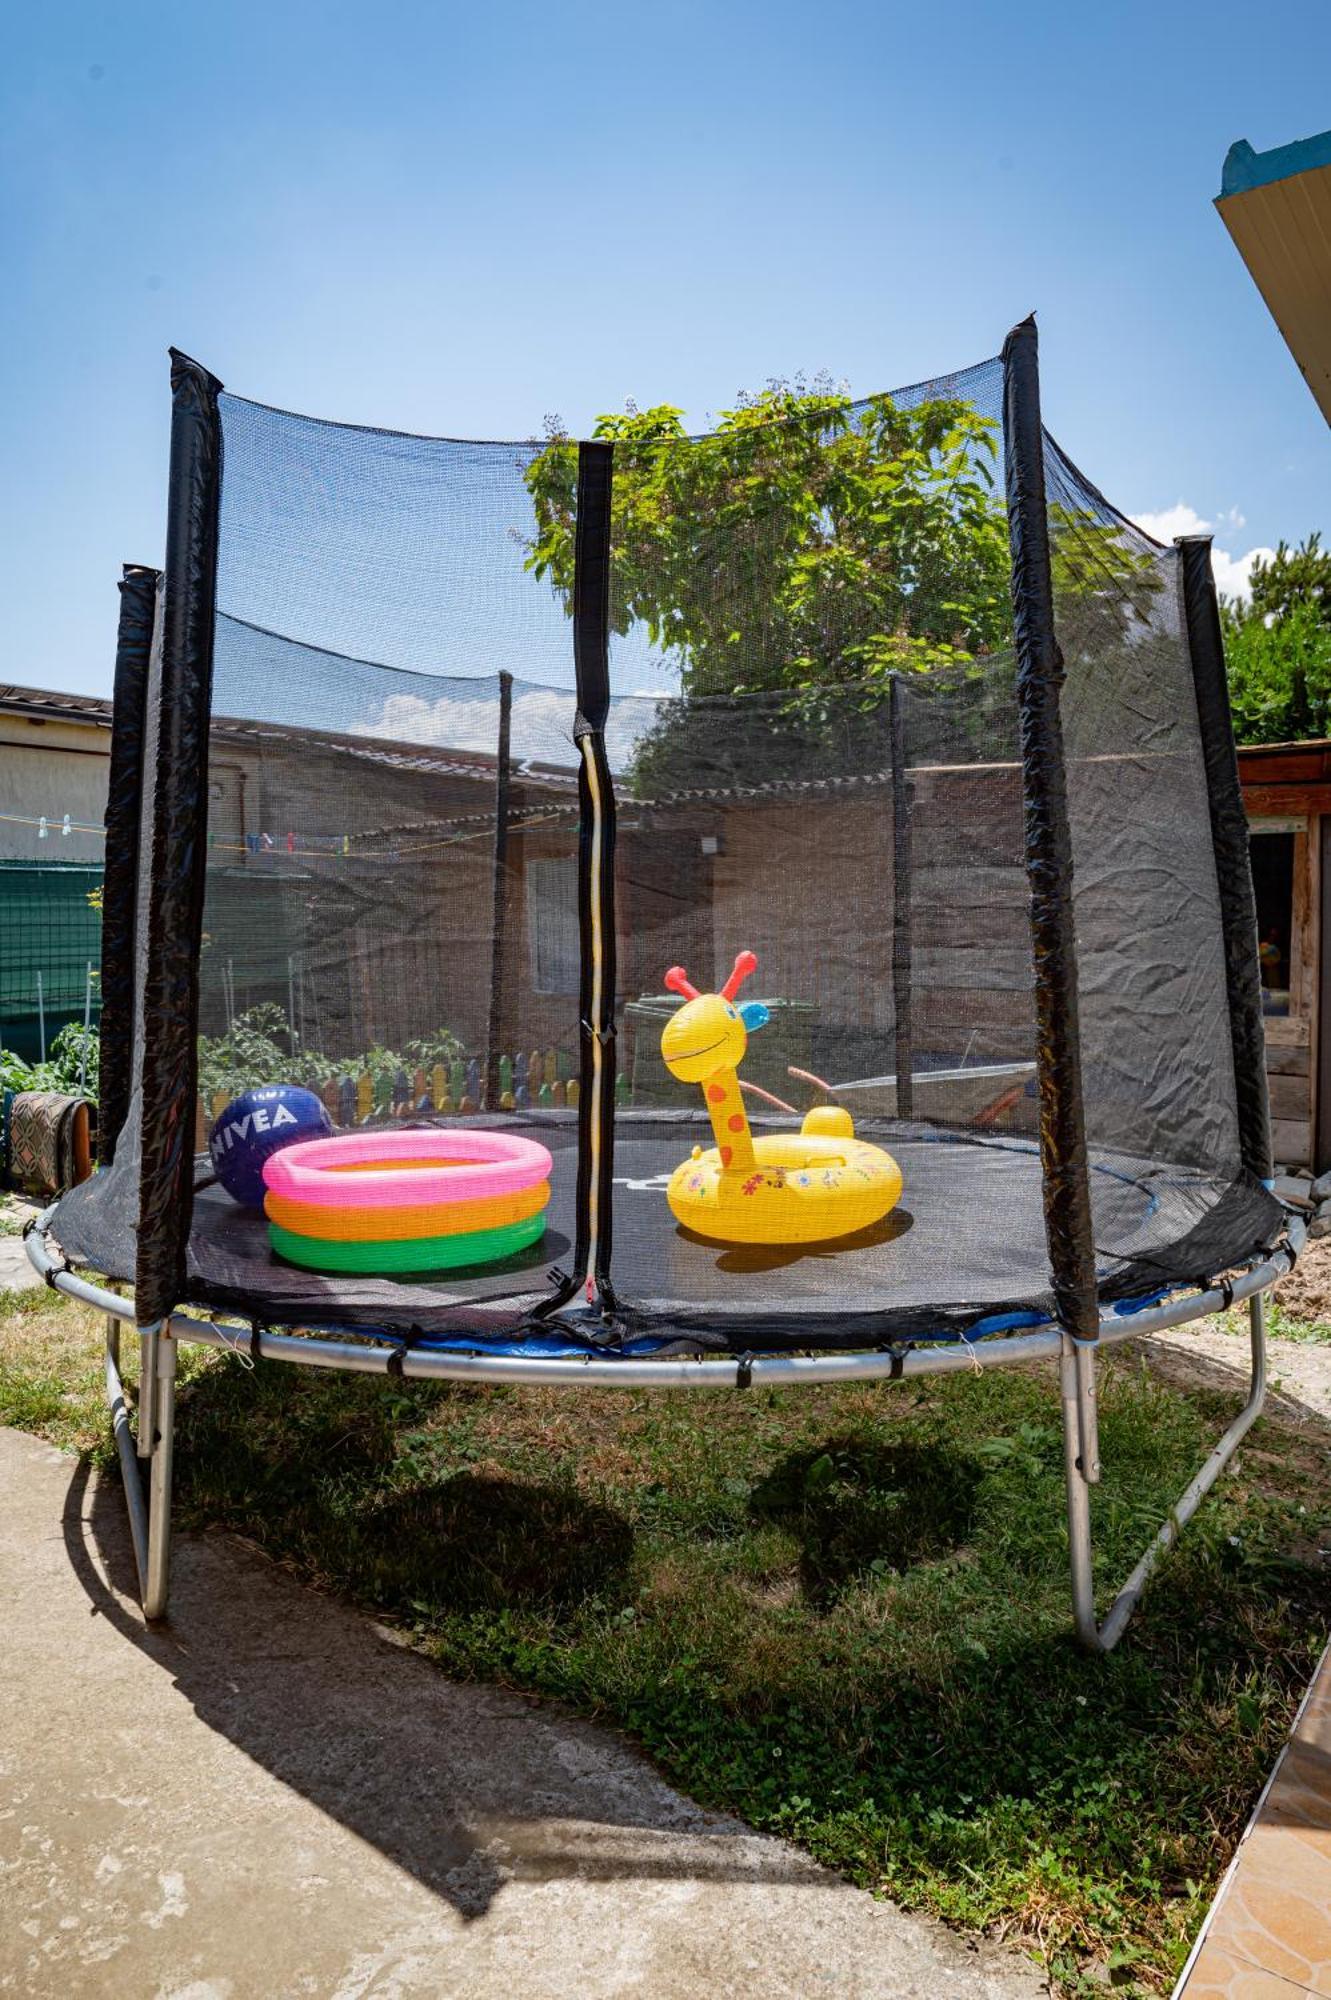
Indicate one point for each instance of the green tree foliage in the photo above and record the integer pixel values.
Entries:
(1292, 580)
(803, 553)
(1278, 647)
(807, 541)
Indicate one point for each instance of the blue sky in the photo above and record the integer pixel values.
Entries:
(455, 220)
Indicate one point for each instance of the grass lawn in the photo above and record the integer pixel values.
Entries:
(1281, 1324)
(841, 1613)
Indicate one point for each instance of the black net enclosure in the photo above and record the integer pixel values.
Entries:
(765, 892)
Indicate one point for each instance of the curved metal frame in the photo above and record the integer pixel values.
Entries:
(150, 1522)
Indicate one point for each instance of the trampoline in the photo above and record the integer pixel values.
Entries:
(430, 758)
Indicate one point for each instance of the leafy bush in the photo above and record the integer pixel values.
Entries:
(74, 1048)
(15, 1074)
(441, 1047)
(1278, 647)
(1279, 675)
(251, 1053)
(257, 1049)
(254, 1051)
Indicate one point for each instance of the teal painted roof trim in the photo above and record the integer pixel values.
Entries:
(1245, 169)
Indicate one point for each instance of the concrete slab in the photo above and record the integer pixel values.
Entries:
(1269, 1928)
(16, 1273)
(270, 1799)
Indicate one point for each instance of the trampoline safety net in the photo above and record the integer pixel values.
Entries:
(432, 757)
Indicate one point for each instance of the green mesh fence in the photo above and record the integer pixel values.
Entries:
(49, 933)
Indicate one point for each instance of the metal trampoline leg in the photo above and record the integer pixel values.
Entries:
(162, 1446)
(1102, 1638)
(124, 1437)
(1196, 1491)
(1088, 1410)
(147, 1389)
(1072, 1383)
(1257, 1354)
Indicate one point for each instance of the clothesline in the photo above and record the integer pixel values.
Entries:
(48, 823)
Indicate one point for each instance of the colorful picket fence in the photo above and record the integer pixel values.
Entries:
(544, 1079)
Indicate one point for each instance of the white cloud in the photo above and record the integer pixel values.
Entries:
(1172, 521)
(542, 722)
(542, 725)
(1233, 573)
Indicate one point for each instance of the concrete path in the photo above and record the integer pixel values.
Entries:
(268, 1798)
(16, 1273)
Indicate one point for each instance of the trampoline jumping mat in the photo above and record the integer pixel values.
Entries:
(963, 1252)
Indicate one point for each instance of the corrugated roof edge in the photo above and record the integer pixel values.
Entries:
(51, 704)
(1246, 169)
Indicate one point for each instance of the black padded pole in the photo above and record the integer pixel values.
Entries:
(179, 845)
(499, 900)
(120, 878)
(591, 585)
(1067, 1196)
(1233, 867)
(901, 906)
(596, 882)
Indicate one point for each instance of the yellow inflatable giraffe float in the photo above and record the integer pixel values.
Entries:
(809, 1186)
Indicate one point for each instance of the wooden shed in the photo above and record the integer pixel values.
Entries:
(1287, 792)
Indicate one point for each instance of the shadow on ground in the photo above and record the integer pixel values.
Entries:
(861, 1510)
(465, 1787)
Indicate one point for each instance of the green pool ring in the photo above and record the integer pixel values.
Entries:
(408, 1253)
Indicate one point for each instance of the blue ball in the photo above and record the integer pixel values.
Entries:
(256, 1125)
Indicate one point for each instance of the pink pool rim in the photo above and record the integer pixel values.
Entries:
(406, 1169)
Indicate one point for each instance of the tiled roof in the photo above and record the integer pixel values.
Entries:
(54, 705)
(475, 764)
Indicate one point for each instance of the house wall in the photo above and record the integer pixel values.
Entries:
(398, 944)
(972, 970)
(809, 887)
(387, 942)
(52, 768)
(529, 1019)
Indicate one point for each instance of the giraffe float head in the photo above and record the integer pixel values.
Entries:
(710, 1033)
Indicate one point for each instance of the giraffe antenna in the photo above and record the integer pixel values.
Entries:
(678, 982)
(745, 963)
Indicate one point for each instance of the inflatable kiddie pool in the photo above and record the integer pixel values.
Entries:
(395, 1202)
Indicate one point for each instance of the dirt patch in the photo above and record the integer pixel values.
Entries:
(1206, 1356)
(1306, 1293)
